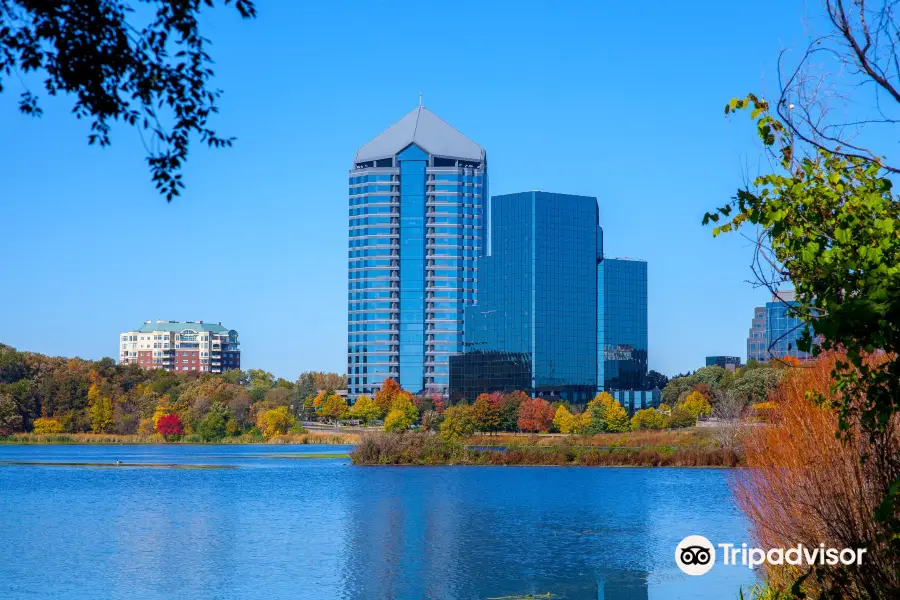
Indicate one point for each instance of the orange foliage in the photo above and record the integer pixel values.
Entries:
(807, 486)
(385, 397)
(535, 414)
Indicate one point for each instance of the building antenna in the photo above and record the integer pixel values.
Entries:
(420, 98)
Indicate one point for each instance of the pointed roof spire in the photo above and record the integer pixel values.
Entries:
(428, 131)
(420, 98)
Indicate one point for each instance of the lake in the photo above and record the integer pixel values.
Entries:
(263, 522)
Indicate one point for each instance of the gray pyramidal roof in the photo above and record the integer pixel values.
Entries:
(426, 130)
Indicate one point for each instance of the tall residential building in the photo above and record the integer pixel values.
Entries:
(416, 206)
(535, 322)
(622, 325)
(776, 330)
(181, 346)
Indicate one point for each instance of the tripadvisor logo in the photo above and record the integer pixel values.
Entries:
(696, 555)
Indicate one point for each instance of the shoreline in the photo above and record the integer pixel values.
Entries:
(657, 449)
(93, 439)
(420, 449)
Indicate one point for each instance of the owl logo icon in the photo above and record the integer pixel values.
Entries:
(695, 555)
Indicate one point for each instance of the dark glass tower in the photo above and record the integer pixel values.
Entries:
(622, 325)
(536, 315)
(416, 207)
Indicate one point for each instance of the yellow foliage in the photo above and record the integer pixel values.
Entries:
(583, 422)
(403, 403)
(334, 407)
(276, 421)
(604, 413)
(100, 411)
(696, 405)
(599, 400)
(146, 427)
(364, 409)
(163, 408)
(563, 420)
(45, 425)
(616, 417)
(397, 421)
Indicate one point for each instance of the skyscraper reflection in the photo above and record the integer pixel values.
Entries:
(447, 533)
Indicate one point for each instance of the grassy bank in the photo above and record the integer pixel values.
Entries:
(95, 438)
(693, 437)
(609, 450)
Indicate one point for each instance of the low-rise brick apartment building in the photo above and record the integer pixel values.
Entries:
(181, 346)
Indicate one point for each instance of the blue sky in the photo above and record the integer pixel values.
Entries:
(623, 101)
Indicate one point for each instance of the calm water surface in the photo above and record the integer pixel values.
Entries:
(267, 523)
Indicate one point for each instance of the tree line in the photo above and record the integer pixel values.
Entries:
(47, 395)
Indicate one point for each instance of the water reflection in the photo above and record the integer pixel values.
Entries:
(279, 528)
(495, 533)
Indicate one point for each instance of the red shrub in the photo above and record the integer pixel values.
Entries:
(170, 425)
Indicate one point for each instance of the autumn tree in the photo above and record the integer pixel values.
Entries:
(364, 409)
(563, 420)
(535, 414)
(154, 76)
(605, 414)
(169, 426)
(334, 407)
(402, 415)
(45, 425)
(100, 411)
(320, 398)
(596, 411)
(648, 418)
(459, 422)
(385, 396)
(616, 417)
(696, 405)
(164, 407)
(486, 412)
(276, 421)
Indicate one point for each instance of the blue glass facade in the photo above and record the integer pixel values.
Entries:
(537, 294)
(413, 161)
(416, 209)
(622, 325)
(635, 400)
(776, 330)
(783, 330)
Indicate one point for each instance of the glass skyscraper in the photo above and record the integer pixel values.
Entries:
(776, 330)
(416, 207)
(622, 324)
(537, 300)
